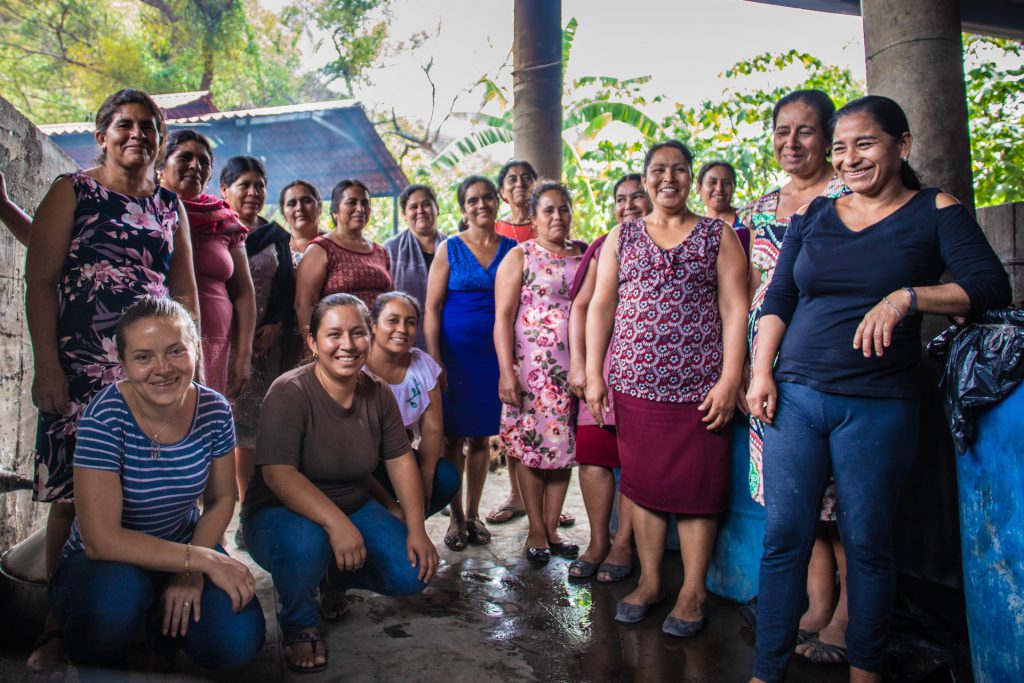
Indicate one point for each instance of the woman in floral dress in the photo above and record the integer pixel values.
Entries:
(801, 133)
(101, 239)
(531, 334)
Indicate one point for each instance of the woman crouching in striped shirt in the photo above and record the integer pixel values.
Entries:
(141, 556)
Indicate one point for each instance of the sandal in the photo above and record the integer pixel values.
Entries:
(504, 513)
(333, 603)
(538, 556)
(818, 652)
(803, 636)
(565, 519)
(615, 572)
(567, 550)
(314, 639)
(582, 569)
(478, 533)
(457, 541)
(46, 670)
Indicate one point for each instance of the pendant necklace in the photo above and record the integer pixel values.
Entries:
(154, 448)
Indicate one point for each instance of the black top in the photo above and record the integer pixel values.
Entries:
(828, 277)
(281, 302)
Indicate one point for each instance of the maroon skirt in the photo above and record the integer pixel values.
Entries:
(670, 461)
(597, 446)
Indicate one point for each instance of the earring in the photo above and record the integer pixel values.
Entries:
(904, 159)
(316, 357)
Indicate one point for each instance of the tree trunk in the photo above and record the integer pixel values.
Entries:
(537, 85)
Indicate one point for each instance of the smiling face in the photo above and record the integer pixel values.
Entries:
(159, 360)
(421, 213)
(187, 170)
(301, 210)
(516, 187)
(668, 179)
(717, 188)
(396, 326)
(246, 195)
(132, 138)
(341, 343)
(554, 217)
(631, 201)
(353, 210)
(799, 140)
(480, 206)
(867, 158)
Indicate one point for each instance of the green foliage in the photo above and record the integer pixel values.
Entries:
(994, 70)
(357, 29)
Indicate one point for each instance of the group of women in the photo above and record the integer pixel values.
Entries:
(339, 354)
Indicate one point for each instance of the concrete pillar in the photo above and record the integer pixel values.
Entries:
(914, 55)
(537, 85)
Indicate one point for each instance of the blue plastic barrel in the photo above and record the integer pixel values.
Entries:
(991, 482)
(737, 557)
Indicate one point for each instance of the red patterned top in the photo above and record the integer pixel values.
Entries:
(667, 341)
(365, 275)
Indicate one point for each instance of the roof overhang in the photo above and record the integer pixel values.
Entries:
(1003, 18)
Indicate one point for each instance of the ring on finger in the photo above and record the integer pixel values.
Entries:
(186, 604)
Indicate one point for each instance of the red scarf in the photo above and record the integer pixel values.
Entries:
(209, 215)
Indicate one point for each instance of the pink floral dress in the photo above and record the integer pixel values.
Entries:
(120, 251)
(539, 434)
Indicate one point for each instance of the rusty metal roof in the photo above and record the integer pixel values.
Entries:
(321, 142)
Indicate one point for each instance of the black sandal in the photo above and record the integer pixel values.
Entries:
(478, 533)
(333, 603)
(313, 638)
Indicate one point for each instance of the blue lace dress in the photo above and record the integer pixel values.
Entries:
(471, 404)
(120, 251)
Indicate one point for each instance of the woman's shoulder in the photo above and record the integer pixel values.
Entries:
(106, 404)
(423, 362)
(294, 382)
(210, 401)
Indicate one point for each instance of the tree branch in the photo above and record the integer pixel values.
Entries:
(164, 9)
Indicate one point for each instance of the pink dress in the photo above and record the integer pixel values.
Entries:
(540, 433)
(211, 256)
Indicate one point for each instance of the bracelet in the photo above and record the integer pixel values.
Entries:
(893, 307)
(188, 559)
(913, 300)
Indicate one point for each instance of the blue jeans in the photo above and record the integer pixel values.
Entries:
(298, 555)
(446, 483)
(103, 606)
(869, 444)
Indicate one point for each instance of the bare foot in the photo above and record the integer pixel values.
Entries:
(644, 594)
(47, 662)
(593, 554)
(689, 607)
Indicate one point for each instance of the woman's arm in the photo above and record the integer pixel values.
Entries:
(302, 497)
(49, 241)
(405, 477)
(600, 321)
(577, 378)
(181, 274)
(508, 284)
(437, 290)
(762, 395)
(243, 296)
(733, 304)
(431, 442)
(309, 282)
(19, 222)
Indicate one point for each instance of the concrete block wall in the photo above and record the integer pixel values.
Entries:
(29, 161)
(1004, 227)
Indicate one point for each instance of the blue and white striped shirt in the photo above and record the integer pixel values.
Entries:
(159, 494)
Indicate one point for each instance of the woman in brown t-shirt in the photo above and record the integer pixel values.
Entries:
(308, 517)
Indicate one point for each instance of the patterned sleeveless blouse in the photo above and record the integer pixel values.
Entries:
(667, 340)
(367, 276)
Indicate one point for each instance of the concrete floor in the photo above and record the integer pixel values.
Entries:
(490, 616)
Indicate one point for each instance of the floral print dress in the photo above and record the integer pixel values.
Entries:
(539, 434)
(120, 251)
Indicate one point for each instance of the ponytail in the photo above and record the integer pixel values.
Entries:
(909, 176)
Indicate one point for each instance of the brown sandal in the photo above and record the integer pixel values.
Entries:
(314, 639)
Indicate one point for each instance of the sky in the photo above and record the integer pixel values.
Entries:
(684, 45)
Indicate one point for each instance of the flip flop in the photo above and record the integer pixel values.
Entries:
(313, 638)
(584, 569)
(565, 519)
(333, 603)
(822, 653)
(457, 541)
(504, 513)
(478, 533)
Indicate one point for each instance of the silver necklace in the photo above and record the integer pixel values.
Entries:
(154, 443)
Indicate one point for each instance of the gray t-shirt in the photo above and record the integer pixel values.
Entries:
(335, 448)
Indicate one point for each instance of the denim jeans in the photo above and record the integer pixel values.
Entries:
(298, 555)
(103, 606)
(446, 483)
(869, 444)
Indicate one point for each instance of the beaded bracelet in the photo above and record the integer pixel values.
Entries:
(188, 559)
(893, 307)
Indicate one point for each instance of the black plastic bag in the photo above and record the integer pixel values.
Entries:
(984, 363)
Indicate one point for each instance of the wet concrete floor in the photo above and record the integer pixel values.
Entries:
(491, 616)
